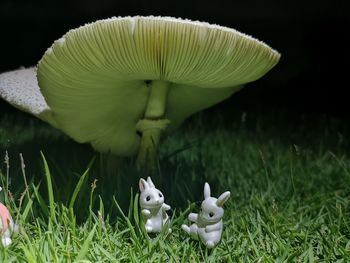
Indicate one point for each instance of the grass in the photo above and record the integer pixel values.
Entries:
(289, 178)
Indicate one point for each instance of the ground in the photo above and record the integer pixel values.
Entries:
(289, 178)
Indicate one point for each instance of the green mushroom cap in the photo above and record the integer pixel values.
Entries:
(103, 80)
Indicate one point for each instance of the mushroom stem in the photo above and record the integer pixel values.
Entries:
(151, 134)
(157, 99)
(152, 125)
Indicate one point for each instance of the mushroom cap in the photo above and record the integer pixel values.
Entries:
(20, 88)
(95, 78)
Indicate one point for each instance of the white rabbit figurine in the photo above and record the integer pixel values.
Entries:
(6, 225)
(208, 223)
(153, 208)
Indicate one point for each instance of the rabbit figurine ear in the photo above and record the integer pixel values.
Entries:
(223, 198)
(150, 183)
(143, 185)
(206, 191)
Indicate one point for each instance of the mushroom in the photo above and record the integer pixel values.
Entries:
(120, 83)
(20, 88)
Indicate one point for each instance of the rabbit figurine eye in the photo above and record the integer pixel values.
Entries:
(211, 214)
(148, 198)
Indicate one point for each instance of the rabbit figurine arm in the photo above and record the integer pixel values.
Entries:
(166, 207)
(146, 213)
(193, 217)
(215, 227)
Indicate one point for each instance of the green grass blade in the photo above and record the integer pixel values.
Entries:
(86, 245)
(27, 210)
(136, 210)
(77, 188)
(30, 258)
(134, 237)
(49, 188)
(108, 255)
(52, 247)
(41, 201)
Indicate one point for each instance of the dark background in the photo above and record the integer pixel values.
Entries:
(311, 36)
